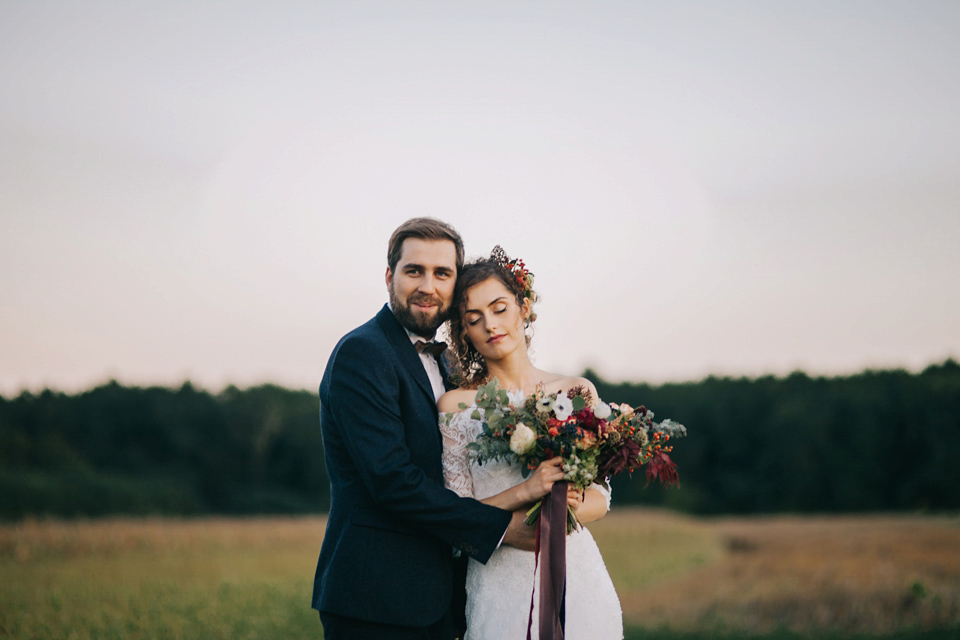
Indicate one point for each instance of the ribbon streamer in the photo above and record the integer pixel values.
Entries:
(552, 541)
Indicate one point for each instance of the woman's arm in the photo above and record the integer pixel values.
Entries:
(537, 485)
(589, 506)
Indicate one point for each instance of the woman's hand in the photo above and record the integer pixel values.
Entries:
(575, 498)
(541, 481)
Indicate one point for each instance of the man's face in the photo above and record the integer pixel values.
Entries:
(421, 286)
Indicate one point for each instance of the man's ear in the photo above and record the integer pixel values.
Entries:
(388, 277)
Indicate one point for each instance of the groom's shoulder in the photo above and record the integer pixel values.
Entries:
(368, 336)
(362, 352)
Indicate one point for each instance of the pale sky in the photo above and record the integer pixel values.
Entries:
(204, 191)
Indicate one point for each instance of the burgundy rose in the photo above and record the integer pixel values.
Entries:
(588, 421)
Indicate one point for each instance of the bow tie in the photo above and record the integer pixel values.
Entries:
(433, 347)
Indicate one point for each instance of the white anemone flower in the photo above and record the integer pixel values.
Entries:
(545, 404)
(562, 407)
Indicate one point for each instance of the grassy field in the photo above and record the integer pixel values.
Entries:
(678, 578)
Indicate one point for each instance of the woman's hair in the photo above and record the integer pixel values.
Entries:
(471, 370)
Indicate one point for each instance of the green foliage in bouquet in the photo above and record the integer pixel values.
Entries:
(596, 440)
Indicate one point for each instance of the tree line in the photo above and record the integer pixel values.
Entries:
(879, 440)
(117, 449)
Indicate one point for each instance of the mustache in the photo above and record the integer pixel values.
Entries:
(423, 298)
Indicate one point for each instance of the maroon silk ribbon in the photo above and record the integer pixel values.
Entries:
(552, 543)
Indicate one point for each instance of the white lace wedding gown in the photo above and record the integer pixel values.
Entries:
(498, 592)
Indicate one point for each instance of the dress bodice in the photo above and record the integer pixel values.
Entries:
(499, 592)
(461, 471)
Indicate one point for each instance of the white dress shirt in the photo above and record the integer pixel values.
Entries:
(430, 365)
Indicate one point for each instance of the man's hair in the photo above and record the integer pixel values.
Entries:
(425, 229)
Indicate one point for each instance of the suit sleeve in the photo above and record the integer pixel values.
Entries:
(363, 399)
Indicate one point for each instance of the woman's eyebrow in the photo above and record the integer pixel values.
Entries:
(493, 302)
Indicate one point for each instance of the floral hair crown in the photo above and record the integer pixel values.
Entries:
(517, 269)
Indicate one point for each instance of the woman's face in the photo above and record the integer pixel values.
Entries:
(493, 319)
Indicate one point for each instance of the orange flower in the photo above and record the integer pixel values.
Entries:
(587, 439)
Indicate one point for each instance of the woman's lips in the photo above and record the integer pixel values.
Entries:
(496, 339)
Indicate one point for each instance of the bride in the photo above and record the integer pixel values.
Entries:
(492, 308)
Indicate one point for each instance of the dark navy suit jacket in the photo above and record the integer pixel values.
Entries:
(386, 555)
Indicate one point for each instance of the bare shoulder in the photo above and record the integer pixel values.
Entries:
(451, 400)
(583, 382)
(562, 384)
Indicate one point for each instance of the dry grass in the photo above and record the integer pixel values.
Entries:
(31, 539)
(159, 579)
(645, 547)
(871, 574)
(251, 578)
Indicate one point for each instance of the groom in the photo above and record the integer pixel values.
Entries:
(387, 567)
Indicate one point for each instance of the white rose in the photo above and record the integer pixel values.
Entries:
(523, 439)
(562, 407)
(602, 411)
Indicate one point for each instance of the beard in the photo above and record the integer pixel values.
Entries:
(420, 324)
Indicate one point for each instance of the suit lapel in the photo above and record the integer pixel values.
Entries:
(405, 352)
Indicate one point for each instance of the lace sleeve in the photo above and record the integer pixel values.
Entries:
(456, 460)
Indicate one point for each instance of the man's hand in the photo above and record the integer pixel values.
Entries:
(519, 534)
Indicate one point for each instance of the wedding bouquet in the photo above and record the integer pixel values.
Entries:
(596, 442)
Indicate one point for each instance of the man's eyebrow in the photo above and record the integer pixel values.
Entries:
(492, 302)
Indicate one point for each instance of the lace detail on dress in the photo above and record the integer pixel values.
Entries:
(498, 593)
(458, 430)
